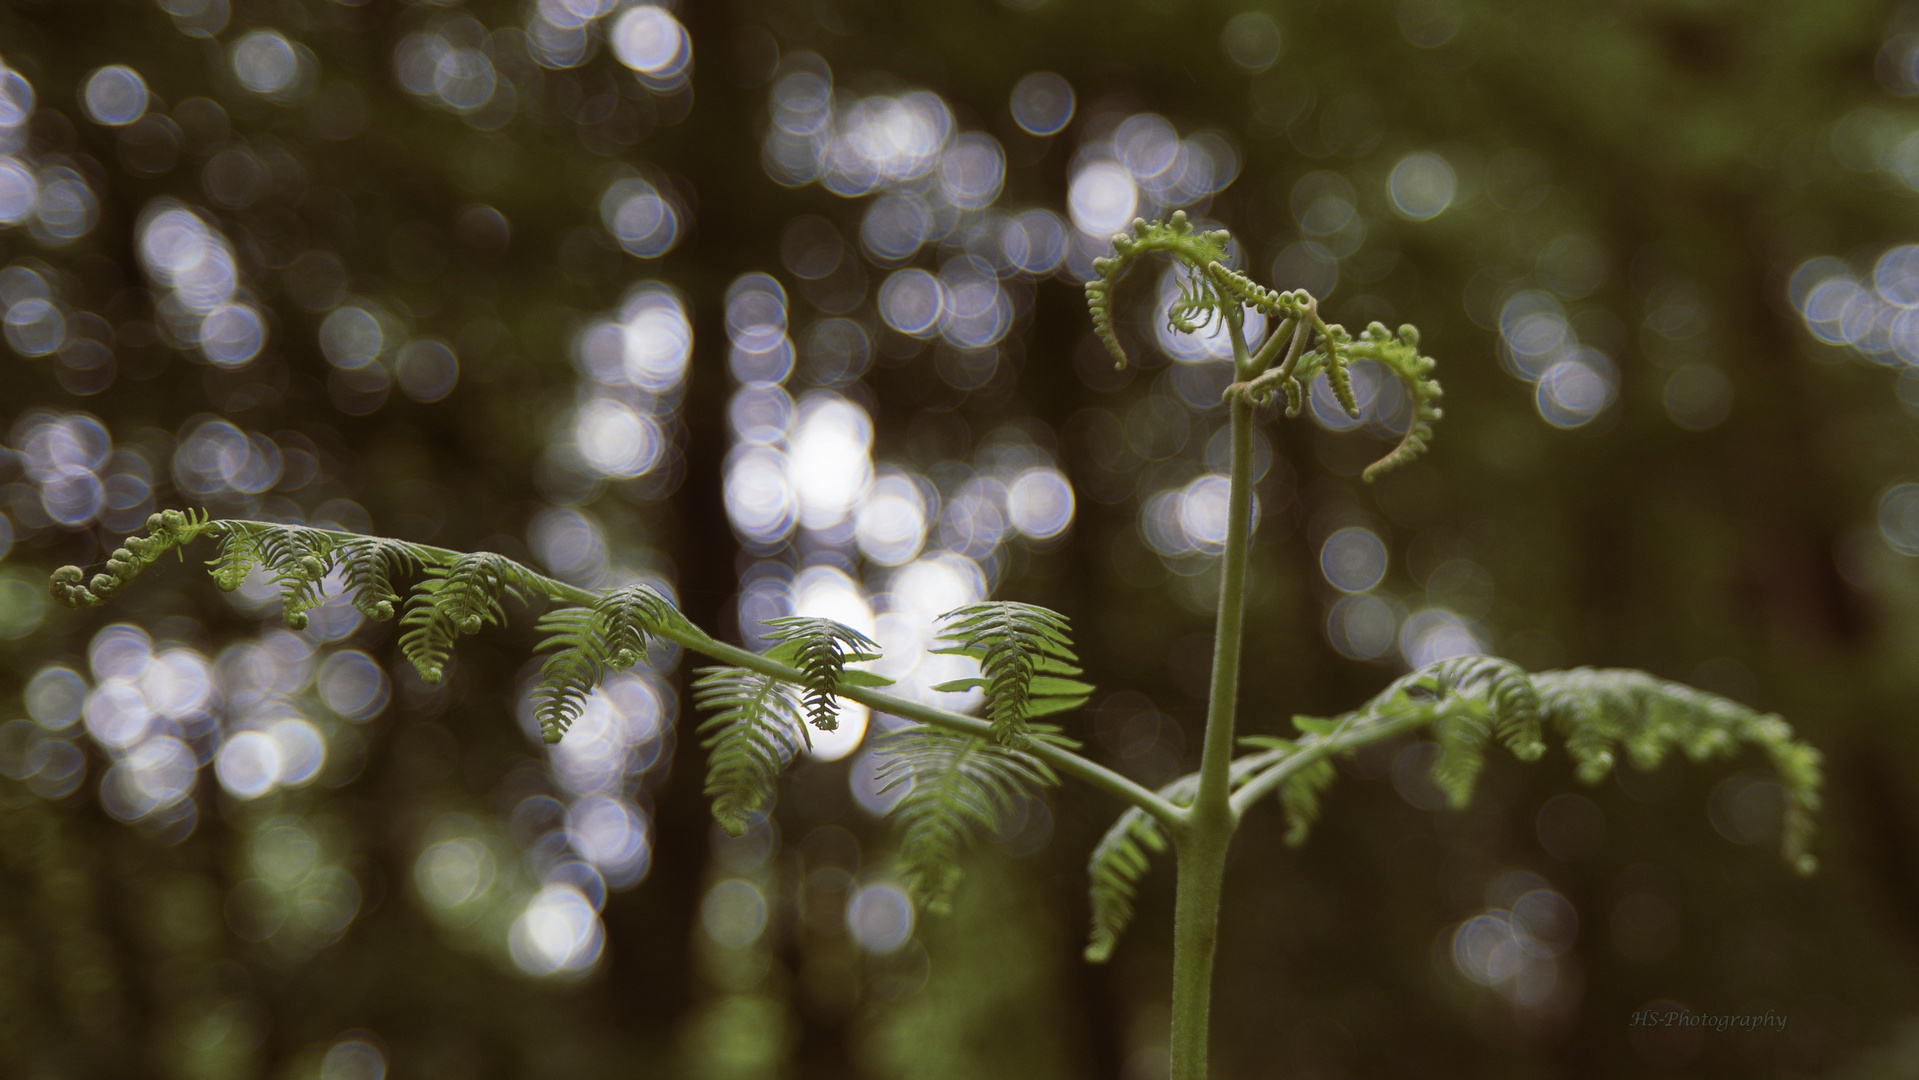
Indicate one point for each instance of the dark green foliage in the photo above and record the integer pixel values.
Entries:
(454, 600)
(756, 727)
(612, 634)
(821, 648)
(1026, 663)
(959, 785)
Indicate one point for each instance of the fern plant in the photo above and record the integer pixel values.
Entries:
(959, 775)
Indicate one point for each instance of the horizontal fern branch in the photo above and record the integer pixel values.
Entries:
(461, 592)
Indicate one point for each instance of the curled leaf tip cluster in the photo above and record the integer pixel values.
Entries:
(166, 531)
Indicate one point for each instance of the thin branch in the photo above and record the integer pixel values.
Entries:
(1282, 770)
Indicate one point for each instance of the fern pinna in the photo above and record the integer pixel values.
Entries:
(589, 642)
(821, 648)
(955, 786)
(755, 729)
(1026, 663)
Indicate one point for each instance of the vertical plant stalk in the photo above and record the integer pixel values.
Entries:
(1207, 833)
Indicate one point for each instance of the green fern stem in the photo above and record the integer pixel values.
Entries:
(1201, 846)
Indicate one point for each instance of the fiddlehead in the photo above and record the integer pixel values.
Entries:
(1209, 290)
(166, 531)
(1199, 300)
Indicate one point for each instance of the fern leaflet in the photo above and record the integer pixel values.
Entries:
(370, 564)
(455, 600)
(959, 785)
(587, 643)
(1026, 663)
(755, 729)
(821, 648)
(1470, 701)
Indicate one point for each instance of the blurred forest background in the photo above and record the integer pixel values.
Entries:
(775, 303)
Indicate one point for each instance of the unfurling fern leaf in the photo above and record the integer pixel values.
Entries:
(1198, 250)
(1026, 663)
(1471, 700)
(299, 559)
(610, 635)
(821, 648)
(168, 530)
(959, 785)
(455, 600)
(755, 729)
(1400, 355)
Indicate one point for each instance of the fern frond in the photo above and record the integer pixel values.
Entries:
(755, 729)
(454, 600)
(1026, 663)
(1597, 708)
(960, 785)
(298, 560)
(1400, 355)
(1198, 250)
(168, 530)
(589, 642)
(1471, 700)
(370, 564)
(821, 648)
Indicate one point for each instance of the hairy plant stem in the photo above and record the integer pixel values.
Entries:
(1208, 832)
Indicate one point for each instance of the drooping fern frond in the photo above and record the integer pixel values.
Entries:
(755, 729)
(1121, 858)
(821, 648)
(168, 530)
(1026, 663)
(959, 785)
(1197, 250)
(454, 600)
(1469, 701)
(589, 642)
